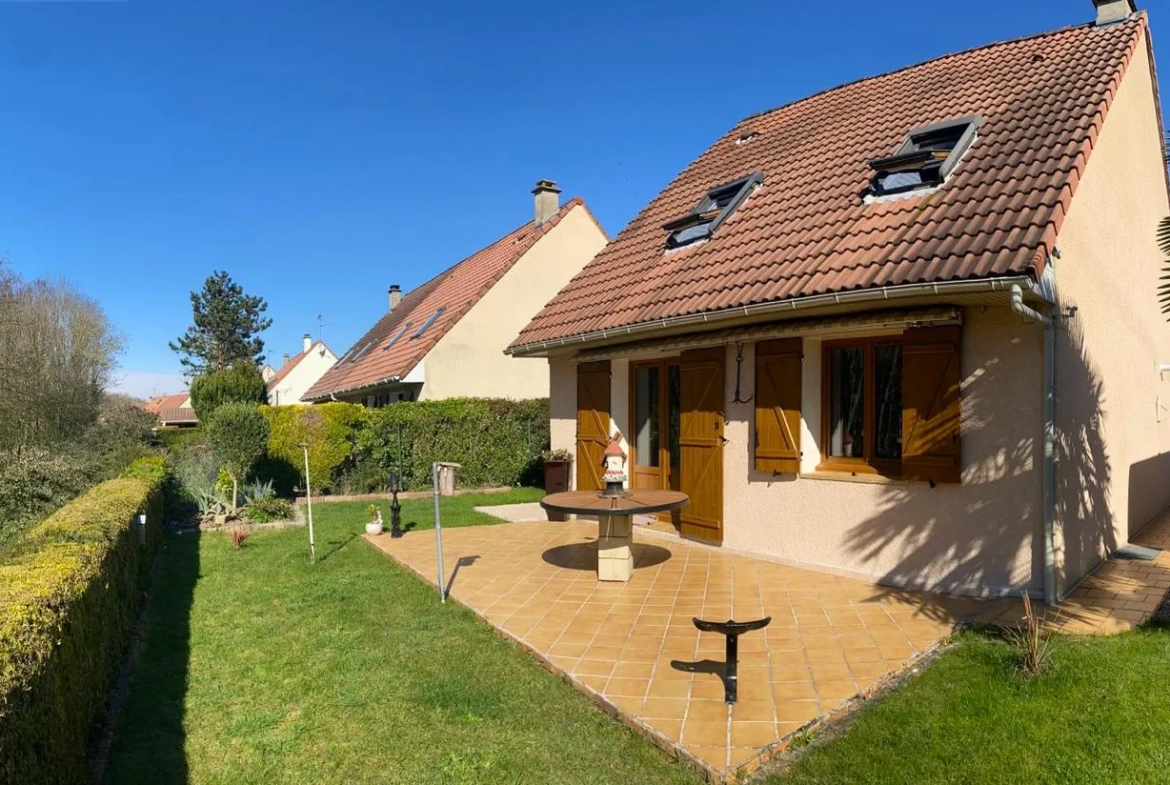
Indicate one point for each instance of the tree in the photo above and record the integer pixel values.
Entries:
(226, 329)
(242, 382)
(238, 433)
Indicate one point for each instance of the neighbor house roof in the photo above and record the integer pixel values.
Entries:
(288, 367)
(173, 415)
(157, 405)
(374, 360)
(809, 230)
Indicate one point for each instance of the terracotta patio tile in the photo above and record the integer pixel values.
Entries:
(835, 689)
(707, 710)
(665, 708)
(668, 689)
(714, 756)
(754, 710)
(799, 711)
(753, 734)
(704, 733)
(627, 686)
(594, 667)
(793, 690)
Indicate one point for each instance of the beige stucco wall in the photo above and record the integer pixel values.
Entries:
(306, 373)
(1114, 469)
(469, 360)
(978, 537)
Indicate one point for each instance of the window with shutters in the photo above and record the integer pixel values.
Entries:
(891, 405)
(777, 401)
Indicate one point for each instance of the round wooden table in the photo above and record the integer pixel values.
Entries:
(615, 526)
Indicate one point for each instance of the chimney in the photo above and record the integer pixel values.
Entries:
(547, 201)
(395, 296)
(284, 362)
(1110, 11)
(308, 342)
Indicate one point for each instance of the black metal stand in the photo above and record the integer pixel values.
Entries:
(395, 512)
(732, 629)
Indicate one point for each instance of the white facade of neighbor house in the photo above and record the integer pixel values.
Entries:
(311, 365)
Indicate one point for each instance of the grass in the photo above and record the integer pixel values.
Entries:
(256, 668)
(420, 513)
(1099, 715)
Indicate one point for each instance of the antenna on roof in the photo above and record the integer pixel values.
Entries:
(321, 333)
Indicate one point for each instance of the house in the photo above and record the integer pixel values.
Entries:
(173, 410)
(906, 329)
(298, 373)
(446, 339)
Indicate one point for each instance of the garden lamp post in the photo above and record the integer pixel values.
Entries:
(395, 507)
(309, 498)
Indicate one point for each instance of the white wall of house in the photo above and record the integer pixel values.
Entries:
(469, 360)
(306, 373)
(1112, 402)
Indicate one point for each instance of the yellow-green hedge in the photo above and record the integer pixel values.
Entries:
(69, 594)
(327, 428)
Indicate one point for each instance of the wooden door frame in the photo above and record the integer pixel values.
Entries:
(665, 482)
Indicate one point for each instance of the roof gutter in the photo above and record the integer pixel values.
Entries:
(332, 395)
(781, 307)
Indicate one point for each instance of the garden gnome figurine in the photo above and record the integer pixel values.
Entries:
(615, 467)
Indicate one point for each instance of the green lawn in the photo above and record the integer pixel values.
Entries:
(420, 513)
(257, 668)
(1102, 715)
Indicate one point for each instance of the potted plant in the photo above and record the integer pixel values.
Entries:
(557, 464)
(375, 524)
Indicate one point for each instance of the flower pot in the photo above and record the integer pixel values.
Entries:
(374, 527)
(556, 480)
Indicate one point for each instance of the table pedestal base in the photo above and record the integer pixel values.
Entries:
(615, 559)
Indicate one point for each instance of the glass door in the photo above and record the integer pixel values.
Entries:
(654, 431)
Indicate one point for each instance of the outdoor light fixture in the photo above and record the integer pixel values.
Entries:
(395, 507)
(614, 461)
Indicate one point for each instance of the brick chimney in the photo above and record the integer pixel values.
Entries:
(1109, 11)
(308, 341)
(547, 200)
(395, 295)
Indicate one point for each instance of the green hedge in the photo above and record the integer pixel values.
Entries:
(329, 429)
(496, 441)
(70, 592)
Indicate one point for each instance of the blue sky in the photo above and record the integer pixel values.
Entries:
(320, 151)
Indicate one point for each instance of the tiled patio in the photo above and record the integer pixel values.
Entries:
(634, 646)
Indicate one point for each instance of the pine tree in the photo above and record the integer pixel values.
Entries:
(227, 326)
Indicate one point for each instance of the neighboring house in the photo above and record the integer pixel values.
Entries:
(298, 373)
(828, 329)
(446, 339)
(172, 410)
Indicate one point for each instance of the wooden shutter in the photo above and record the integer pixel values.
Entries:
(931, 411)
(778, 366)
(701, 443)
(592, 424)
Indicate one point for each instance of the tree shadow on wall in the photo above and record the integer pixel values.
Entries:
(987, 534)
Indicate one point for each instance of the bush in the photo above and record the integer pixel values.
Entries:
(239, 435)
(497, 442)
(268, 509)
(329, 429)
(242, 383)
(36, 481)
(69, 595)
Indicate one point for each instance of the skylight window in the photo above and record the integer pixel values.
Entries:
(394, 339)
(711, 211)
(925, 158)
(430, 320)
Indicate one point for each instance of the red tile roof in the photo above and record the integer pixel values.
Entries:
(807, 230)
(455, 290)
(174, 416)
(156, 405)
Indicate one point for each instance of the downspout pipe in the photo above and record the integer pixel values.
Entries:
(1017, 302)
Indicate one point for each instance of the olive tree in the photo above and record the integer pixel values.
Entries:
(238, 433)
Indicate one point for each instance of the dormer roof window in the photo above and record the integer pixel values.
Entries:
(925, 158)
(711, 211)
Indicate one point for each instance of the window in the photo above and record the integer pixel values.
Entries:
(430, 320)
(394, 339)
(863, 392)
(925, 158)
(711, 211)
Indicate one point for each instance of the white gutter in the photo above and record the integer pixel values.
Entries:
(1017, 301)
(783, 306)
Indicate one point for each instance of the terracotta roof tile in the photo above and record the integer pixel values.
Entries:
(456, 290)
(156, 405)
(808, 231)
(174, 415)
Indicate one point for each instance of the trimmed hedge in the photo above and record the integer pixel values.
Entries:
(69, 595)
(496, 441)
(329, 429)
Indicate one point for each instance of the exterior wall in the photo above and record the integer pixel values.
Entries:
(469, 360)
(562, 408)
(306, 373)
(979, 537)
(1113, 425)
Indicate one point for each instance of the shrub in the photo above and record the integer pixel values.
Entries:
(239, 434)
(69, 595)
(329, 430)
(268, 510)
(1032, 644)
(36, 481)
(238, 534)
(497, 442)
(242, 383)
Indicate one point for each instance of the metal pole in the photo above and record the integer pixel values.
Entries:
(309, 499)
(438, 531)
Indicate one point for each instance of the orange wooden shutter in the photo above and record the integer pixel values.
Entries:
(592, 423)
(931, 410)
(701, 443)
(778, 366)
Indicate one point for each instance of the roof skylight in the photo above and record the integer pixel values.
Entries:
(711, 211)
(925, 158)
(394, 339)
(430, 320)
